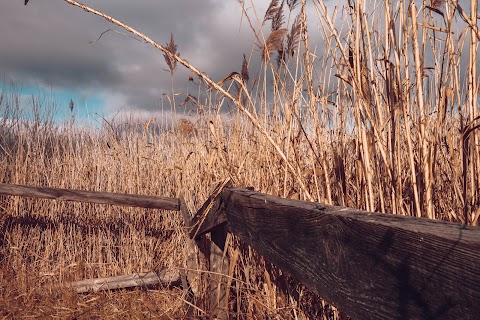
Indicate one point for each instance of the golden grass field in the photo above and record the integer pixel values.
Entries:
(382, 117)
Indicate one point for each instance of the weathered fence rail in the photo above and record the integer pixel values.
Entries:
(120, 199)
(369, 265)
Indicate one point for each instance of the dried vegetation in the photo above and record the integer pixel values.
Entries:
(379, 113)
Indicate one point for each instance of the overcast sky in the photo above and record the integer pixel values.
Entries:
(46, 45)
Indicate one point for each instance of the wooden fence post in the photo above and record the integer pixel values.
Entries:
(219, 265)
(188, 277)
(218, 270)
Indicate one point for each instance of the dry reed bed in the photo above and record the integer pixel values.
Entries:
(46, 243)
(379, 119)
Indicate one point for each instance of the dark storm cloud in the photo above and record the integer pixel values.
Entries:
(47, 43)
(43, 46)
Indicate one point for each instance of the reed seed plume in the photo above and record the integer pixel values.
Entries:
(292, 4)
(186, 128)
(437, 4)
(172, 48)
(275, 41)
(279, 18)
(244, 73)
(275, 14)
(294, 35)
(272, 9)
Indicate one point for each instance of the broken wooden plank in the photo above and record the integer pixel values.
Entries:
(144, 279)
(120, 199)
(207, 218)
(369, 265)
(210, 215)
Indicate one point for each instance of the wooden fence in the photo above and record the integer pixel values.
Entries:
(369, 265)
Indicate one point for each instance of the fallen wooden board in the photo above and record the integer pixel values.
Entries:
(144, 279)
(121, 199)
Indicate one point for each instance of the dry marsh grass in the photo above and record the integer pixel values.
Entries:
(381, 116)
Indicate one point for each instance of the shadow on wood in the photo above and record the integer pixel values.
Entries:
(369, 265)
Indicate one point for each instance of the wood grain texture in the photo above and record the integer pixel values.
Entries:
(369, 265)
(204, 222)
(209, 216)
(143, 279)
(120, 199)
(218, 308)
